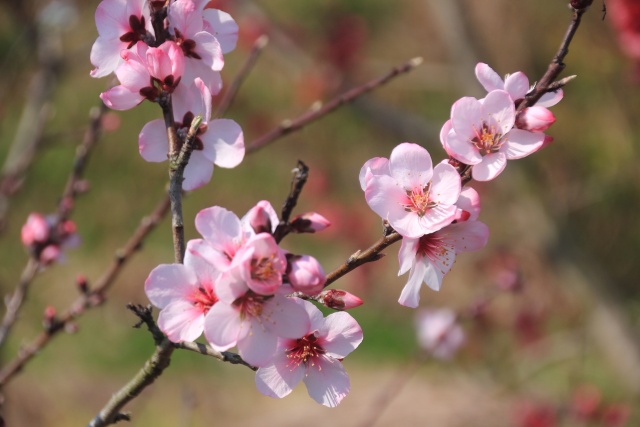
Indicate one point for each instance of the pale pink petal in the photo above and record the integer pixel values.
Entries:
(265, 209)
(436, 218)
(550, 99)
(222, 326)
(461, 149)
(218, 226)
(521, 143)
(223, 27)
(410, 295)
(169, 282)
(105, 56)
(517, 84)
(467, 236)
(387, 199)
(121, 98)
(111, 18)
(278, 379)
(407, 254)
(488, 78)
(183, 15)
(410, 165)
(152, 141)
(316, 318)
(205, 97)
(435, 270)
(258, 345)
(133, 72)
(287, 319)
(208, 48)
(501, 109)
(340, 335)
(181, 321)
(198, 172)
(467, 115)
(327, 382)
(138, 8)
(445, 186)
(226, 139)
(375, 166)
(490, 167)
(469, 201)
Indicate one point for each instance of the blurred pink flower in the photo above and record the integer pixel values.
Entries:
(439, 333)
(313, 357)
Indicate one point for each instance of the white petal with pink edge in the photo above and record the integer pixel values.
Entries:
(327, 382)
(490, 167)
(169, 282)
(521, 143)
(410, 165)
(340, 335)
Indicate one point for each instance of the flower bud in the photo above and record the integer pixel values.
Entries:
(82, 283)
(49, 317)
(339, 300)
(35, 230)
(305, 274)
(580, 4)
(535, 119)
(261, 217)
(49, 254)
(309, 222)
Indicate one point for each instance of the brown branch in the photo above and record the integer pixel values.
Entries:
(301, 173)
(557, 65)
(14, 303)
(234, 87)
(288, 126)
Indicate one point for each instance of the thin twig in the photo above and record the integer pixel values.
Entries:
(288, 126)
(93, 298)
(557, 65)
(234, 87)
(300, 175)
(65, 207)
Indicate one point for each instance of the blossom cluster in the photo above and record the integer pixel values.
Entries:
(235, 286)
(179, 64)
(45, 237)
(428, 206)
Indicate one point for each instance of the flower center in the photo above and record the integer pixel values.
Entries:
(263, 269)
(251, 304)
(305, 348)
(419, 201)
(204, 298)
(435, 248)
(487, 140)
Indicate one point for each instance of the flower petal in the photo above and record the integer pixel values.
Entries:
(327, 382)
(278, 379)
(340, 335)
(520, 143)
(410, 165)
(489, 79)
(152, 142)
(517, 84)
(181, 321)
(221, 326)
(226, 140)
(198, 172)
(490, 167)
(223, 27)
(169, 282)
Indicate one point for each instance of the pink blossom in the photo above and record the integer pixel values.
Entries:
(202, 51)
(252, 322)
(439, 333)
(339, 300)
(121, 24)
(482, 134)
(35, 230)
(313, 357)
(219, 142)
(516, 84)
(305, 274)
(309, 222)
(430, 257)
(260, 263)
(412, 196)
(185, 294)
(144, 74)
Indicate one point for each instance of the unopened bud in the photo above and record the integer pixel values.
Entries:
(49, 254)
(305, 274)
(261, 217)
(35, 230)
(309, 223)
(68, 227)
(83, 286)
(49, 317)
(339, 300)
(535, 119)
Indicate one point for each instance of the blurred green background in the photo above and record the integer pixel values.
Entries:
(567, 216)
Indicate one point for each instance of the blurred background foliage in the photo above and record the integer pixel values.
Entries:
(565, 219)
